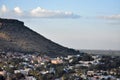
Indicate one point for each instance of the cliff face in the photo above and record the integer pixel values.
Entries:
(15, 36)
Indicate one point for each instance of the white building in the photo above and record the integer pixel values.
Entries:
(30, 78)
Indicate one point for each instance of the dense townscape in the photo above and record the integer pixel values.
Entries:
(20, 66)
(31, 56)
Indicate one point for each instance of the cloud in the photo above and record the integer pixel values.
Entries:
(38, 12)
(4, 9)
(18, 10)
(44, 13)
(117, 16)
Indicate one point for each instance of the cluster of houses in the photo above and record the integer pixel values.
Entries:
(42, 64)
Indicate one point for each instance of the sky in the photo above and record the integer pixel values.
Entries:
(78, 24)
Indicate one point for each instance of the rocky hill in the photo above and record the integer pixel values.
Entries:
(15, 36)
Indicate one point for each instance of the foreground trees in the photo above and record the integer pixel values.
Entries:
(2, 77)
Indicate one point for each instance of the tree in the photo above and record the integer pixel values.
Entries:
(2, 77)
(65, 77)
(87, 57)
(18, 76)
(48, 76)
(36, 74)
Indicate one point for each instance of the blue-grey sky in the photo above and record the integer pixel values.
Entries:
(79, 24)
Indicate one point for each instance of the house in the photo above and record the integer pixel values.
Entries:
(0, 24)
(90, 73)
(25, 72)
(52, 70)
(30, 78)
(44, 72)
(56, 61)
(2, 73)
(108, 76)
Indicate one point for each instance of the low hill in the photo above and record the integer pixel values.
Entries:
(15, 36)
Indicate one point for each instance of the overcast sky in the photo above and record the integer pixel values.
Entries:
(79, 24)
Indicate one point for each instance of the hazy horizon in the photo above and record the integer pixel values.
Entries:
(76, 24)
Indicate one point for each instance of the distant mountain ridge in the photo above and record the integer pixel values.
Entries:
(15, 36)
(102, 52)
